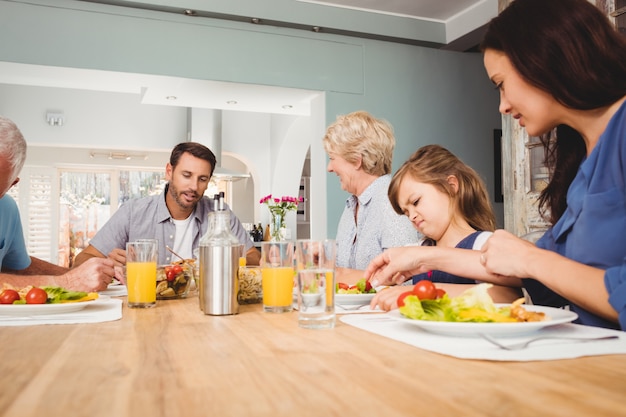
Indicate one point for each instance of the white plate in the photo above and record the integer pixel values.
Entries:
(353, 299)
(115, 290)
(35, 309)
(555, 316)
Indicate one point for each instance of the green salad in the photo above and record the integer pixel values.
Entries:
(473, 305)
(61, 295)
(361, 287)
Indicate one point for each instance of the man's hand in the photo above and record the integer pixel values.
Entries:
(95, 274)
(118, 256)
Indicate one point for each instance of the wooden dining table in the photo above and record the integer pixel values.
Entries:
(173, 360)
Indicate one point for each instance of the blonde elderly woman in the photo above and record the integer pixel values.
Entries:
(360, 150)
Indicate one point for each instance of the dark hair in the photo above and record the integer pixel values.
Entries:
(569, 49)
(433, 164)
(196, 149)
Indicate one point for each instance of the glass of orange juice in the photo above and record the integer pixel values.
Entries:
(277, 276)
(141, 267)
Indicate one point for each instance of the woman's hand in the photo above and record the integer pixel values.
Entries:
(394, 266)
(507, 255)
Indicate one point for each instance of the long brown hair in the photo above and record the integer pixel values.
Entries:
(433, 164)
(569, 49)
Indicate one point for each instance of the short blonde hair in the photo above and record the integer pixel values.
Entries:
(360, 135)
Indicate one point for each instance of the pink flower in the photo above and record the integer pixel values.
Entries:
(281, 205)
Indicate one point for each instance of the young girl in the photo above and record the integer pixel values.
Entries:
(448, 203)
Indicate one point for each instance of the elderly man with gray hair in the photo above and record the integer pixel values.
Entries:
(17, 268)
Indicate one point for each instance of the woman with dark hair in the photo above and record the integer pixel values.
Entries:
(560, 68)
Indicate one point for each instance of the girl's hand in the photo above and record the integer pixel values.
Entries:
(387, 299)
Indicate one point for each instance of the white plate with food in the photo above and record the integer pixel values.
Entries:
(353, 299)
(36, 309)
(554, 316)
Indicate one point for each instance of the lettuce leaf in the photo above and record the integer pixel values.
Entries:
(432, 310)
(59, 295)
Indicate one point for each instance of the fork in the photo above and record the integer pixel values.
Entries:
(522, 345)
(351, 307)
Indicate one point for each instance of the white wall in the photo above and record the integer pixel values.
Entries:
(93, 119)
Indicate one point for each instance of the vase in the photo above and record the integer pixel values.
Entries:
(278, 230)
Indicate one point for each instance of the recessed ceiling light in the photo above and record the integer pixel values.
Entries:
(231, 102)
(255, 20)
(287, 106)
(189, 12)
(316, 28)
(171, 98)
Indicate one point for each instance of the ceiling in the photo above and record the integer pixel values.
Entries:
(422, 9)
(456, 24)
(464, 17)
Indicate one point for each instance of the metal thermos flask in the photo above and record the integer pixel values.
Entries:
(220, 251)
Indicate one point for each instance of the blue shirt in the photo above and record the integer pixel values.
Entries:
(379, 227)
(592, 230)
(13, 253)
(149, 218)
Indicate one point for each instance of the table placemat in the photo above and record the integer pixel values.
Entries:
(478, 348)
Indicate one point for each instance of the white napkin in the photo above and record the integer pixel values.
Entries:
(478, 348)
(97, 311)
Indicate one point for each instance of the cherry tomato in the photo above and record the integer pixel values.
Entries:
(440, 293)
(342, 286)
(402, 296)
(36, 296)
(8, 296)
(368, 286)
(173, 272)
(425, 290)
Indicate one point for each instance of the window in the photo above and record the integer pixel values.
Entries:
(88, 199)
(33, 195)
